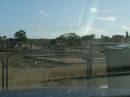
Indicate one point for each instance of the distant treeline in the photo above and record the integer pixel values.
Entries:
(66, 40)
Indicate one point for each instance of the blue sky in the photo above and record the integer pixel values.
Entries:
(51, 18)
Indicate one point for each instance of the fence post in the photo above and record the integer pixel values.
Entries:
(89, 60)
(4, 59)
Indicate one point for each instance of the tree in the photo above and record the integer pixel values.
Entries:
(4, 37)
(0, 41)
(0, 38)
(11, 42)
(105, 38)
(117, 38)
(88, 37)
(4, 41)
(20, 36)
(126, 36)
(69, 40)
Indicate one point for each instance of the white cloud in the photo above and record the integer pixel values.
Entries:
(125, 27)
(108, 18)
(94, 10)
(43, 13)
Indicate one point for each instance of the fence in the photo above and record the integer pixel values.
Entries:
(34, 63)
(23, 69)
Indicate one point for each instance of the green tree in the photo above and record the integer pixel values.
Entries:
(20, 36)
(126, 36)
(0, 38)
(0, 41)
(88, 37)
(3, 41)
(69, 40)
(4, 37)
(118, 38)
(105, 38)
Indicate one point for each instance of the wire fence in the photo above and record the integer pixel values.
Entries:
(52, 68)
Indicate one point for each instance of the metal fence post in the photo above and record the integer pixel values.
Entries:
(89, 60)
(4, 59)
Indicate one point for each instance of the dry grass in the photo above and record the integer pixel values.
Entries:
(21, 78)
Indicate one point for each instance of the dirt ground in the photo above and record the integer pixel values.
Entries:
(72, 75)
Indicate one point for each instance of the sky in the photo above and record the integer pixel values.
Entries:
(52, 18)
